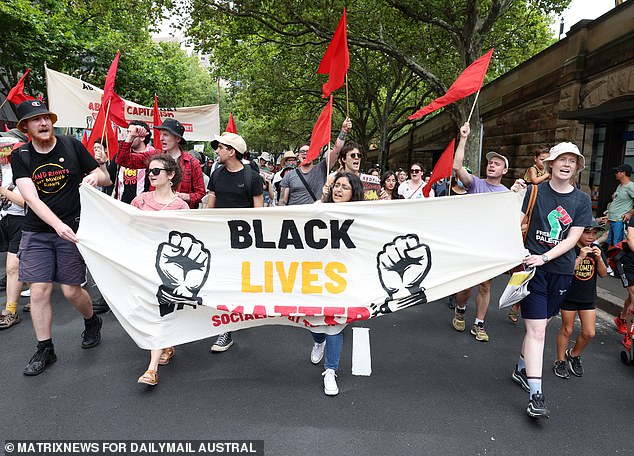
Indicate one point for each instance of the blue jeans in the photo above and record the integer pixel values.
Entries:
(616, 233)
(334, 345)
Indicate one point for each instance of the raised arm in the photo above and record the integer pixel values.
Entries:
(458, 158)
(341, 141)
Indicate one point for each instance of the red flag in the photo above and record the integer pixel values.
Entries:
(116, 111)
(336, 60)
(231, 125)
(469, 82)
(103, 128)
(16, 95)
(157, 122)
(84, 138)
(443, 168)
(321, 133)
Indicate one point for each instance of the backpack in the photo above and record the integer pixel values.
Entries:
(248, 179)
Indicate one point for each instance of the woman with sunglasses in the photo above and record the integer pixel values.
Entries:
(346, 187)
(413, 187)
(389, 189)
(165, 174)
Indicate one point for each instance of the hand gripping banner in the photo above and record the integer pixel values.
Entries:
(173, 277)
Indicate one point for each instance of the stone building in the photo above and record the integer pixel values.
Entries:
(580, 89)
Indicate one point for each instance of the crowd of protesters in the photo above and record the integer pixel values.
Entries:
(566, 257)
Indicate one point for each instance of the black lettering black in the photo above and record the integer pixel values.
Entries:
(239, 234)
(309, 234)
(290, 236)
(340, 233)
(260, 243)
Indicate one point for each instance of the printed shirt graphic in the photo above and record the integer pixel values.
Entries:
(56, 176)
(584, 282)
(553, 216)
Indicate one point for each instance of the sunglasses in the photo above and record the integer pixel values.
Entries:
(156, 171)
(355, 155)
(415, 171)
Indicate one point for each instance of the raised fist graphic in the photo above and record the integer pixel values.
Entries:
(183, 266)
(403, 264)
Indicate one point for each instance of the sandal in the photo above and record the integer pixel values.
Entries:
(150, 377)
(514, 315)
(166, 355)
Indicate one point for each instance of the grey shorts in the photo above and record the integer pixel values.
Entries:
(46, 257)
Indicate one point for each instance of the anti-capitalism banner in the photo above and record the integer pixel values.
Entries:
(172, 277)
(77, 103)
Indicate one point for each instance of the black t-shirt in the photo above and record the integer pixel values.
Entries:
(584, 281)
(553, 215)
(231, 190)
(56, 175)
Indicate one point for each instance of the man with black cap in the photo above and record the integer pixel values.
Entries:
(622, 207)
(232, 185)
(48, 171)
(192, 187)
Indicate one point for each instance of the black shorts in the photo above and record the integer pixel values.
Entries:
(577, 306)
(625, 268)
(11, 226)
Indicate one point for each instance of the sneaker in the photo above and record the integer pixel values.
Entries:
(479, 332)
(26, 307)
(330, 383)
(8, 319)
(458, 320)
(627, 342)
(621, 325)
(40, 360)
(26, 293)
(520, 378)
(317, 353)
(574, 364)
(92, 333)
(222, 343)
(537, 407)
(560, 369)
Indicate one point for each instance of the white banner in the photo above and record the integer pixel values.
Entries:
(173, 277)
(77, 103)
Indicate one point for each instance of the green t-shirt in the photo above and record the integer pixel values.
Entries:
(622, 202)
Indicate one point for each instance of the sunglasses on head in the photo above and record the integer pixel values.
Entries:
(156, 171)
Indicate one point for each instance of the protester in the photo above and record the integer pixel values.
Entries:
(389, 190)
(559, 217)
(192, 187)
(537, 173)
(401, 176)
(350, 157)
(413, 187)
(47, 250)
(590, 262)
(233, 184)
(346, 187)
(100, 152)
(625, 267)
(164, 174)
(497, 167)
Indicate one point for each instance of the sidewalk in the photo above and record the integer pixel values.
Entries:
(610, 294)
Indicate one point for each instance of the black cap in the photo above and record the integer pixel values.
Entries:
(174, 127)
(627, 169)
(32, 108)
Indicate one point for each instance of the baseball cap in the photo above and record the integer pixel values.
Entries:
(232, 140)
(627, 169)
(492, 154)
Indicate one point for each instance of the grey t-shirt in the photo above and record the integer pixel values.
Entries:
(315, 178)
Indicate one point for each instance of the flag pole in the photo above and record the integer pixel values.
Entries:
(103, 132)
(347, 107)
(473, 107)
(3, 103)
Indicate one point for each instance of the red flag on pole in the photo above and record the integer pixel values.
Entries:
(103, 128)
(116, 110)
(321, 133)
(157, 122)
(336, 60)
(16, 95)
(469, 82)
(231, 125)
(84, 138)
(443, 168)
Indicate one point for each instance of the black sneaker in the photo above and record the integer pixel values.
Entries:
(92, 334)
(537, 407)
(40, 360)
(223, 343)
(561, 370)
(520, 378)
(99, 305)
(574, 364)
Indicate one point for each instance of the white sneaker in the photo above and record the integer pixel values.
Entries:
(26, 293)
(330, 383)
(317, 353)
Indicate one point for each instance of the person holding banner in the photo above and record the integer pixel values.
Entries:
(192, 187)
(497, 167)
(345, 187)
(560, 215)
(48, 171)
(165, 174)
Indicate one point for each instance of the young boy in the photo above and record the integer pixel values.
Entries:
(589, 262)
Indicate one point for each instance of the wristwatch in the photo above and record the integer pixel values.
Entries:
(545, 258)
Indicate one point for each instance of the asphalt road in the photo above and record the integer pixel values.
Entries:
(432, 391)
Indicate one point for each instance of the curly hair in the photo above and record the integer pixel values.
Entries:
(170, 165)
